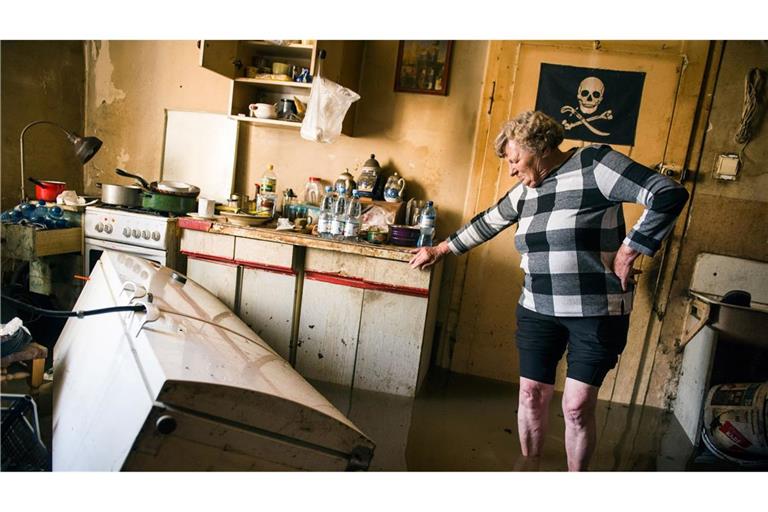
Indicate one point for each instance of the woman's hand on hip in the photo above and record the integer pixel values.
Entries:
(622, 265)
(425, 257)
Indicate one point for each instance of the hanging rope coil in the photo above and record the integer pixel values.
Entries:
(753, 94)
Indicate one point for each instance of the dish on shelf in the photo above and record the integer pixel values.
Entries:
(195, 215)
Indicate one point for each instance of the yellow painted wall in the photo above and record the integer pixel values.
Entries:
(40, 80)
(129, 86)
(427, 139)
(729, 218)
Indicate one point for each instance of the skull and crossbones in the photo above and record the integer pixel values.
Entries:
(590, 95)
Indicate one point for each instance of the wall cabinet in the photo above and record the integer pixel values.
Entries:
(359, 321)
(240, 61)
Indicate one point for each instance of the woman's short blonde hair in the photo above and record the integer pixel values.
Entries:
(533, 130)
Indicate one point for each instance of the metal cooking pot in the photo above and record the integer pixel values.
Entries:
(167, 196)
(47, 190)
(121, 195)
(170, 203)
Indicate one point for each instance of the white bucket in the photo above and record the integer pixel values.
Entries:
(735, 418)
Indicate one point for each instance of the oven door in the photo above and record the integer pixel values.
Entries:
(94, 248)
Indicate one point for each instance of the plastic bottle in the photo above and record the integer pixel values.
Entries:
(269, 180)
(326, 214)
(40, 213)
(312, 191)
(427, 225)
(353, 219)
(339, 212)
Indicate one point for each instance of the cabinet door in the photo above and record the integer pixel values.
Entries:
(266, 305)
(220, 57)
(330, 319)
(390, 342)
(218, 278)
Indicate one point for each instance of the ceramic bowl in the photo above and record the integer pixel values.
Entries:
(404, 235)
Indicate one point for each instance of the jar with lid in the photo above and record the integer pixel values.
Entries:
(370, 183)
(312, 191)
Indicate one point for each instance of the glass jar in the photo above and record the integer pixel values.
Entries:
(312, 191)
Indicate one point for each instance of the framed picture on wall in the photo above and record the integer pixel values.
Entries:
(423, 67)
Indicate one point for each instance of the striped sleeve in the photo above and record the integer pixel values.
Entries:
(486, 225)
(621, 179)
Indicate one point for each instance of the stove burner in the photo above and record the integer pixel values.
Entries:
(134, 209)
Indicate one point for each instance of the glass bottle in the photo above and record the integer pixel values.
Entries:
(312, 191)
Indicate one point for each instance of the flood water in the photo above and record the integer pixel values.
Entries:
(466, 423)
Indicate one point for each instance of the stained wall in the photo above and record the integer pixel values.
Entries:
(40, 80)
(728, 218)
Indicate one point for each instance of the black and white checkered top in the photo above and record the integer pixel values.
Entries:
(570, 227)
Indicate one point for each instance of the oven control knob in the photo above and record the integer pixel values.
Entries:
(108, 229)
(136, 233)
(156, 236)
(99, 227)
(145, 234)
(127, 232)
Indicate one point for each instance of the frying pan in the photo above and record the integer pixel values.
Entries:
(175, 188)
(166, 196)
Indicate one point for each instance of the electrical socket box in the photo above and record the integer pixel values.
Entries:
(726, 166)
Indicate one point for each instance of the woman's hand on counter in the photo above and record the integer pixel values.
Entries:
(425, 257)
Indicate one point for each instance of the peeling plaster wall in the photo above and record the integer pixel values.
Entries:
(428, 139)
(729, 218)
(129, 86)
(40, 80)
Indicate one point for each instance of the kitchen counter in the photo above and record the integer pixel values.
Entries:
(389, 252)
(350, 313)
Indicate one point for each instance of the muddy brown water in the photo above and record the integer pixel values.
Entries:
(465, 423)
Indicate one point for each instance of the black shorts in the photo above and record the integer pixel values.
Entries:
(594, 344)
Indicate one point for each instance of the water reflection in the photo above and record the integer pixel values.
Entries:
(465, 423)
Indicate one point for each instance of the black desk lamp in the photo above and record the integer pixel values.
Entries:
(84, 147)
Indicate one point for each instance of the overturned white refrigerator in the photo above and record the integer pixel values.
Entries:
(184, 386)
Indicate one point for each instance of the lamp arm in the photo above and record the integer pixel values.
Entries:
(21, 147)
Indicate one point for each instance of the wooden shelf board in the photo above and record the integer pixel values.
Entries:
(273, 83)
(267, 122)
(296, 46)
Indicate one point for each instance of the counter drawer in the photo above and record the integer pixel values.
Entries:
(208, 244)
(29, 243)
(260, 252)
(370, 270)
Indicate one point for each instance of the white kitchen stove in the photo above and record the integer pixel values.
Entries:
(134, 231)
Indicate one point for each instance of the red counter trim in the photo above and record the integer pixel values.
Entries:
(269, 268)
(195, 224)
(356, 282)
(208, 257)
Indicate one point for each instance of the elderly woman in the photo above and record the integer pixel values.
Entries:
(577, 261)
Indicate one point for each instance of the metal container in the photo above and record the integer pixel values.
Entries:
(347, 181)
(47, 190)
(161, 202)
(121, 195)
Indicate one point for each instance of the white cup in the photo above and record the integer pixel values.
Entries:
(205, 207)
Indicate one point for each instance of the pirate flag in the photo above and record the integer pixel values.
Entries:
(596, 105)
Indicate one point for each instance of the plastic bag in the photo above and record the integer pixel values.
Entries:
(327, 106)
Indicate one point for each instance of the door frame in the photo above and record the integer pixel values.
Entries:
(628, 383)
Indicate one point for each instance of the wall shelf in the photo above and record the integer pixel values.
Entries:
(273, 83)
(267, 122)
